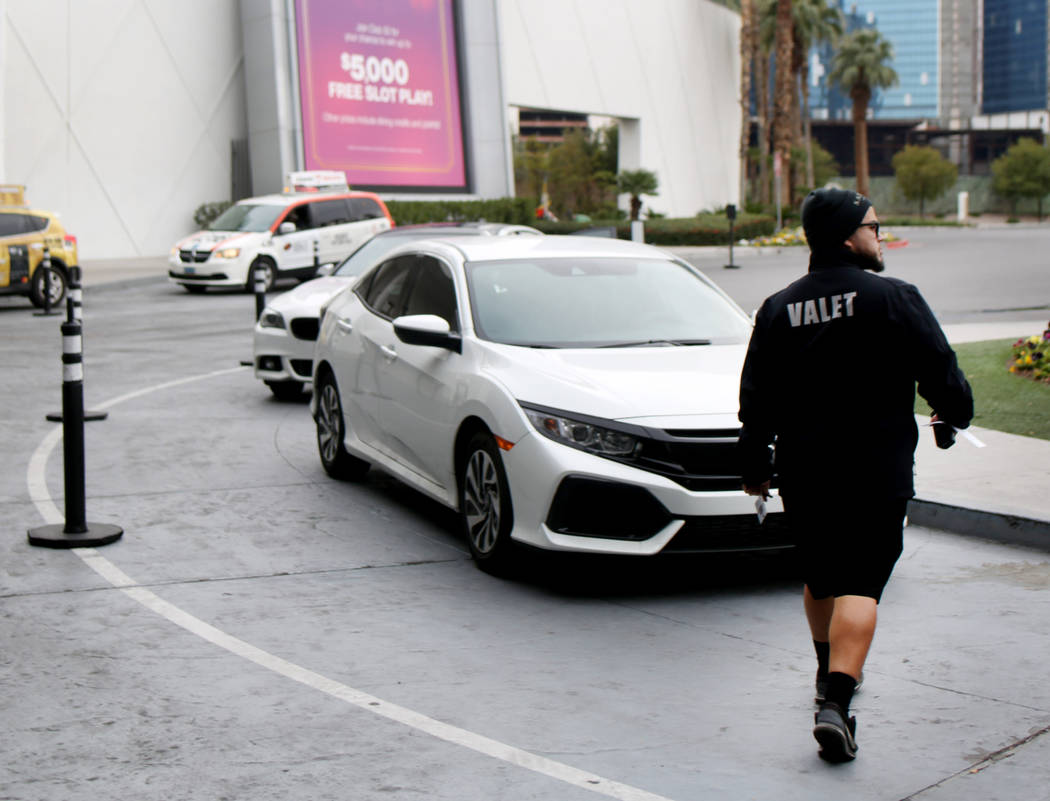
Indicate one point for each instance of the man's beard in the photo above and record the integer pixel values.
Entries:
(868, 262)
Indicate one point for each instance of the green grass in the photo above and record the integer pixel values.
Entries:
(1002, 401)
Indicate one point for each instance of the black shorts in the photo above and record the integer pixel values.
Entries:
(846, 546)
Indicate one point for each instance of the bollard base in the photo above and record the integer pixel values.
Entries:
(731, 266)
(56, 417)
(54, 536)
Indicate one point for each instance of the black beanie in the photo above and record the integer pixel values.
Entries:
(830, 216)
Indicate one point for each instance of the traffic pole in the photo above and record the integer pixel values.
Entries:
(45, 265)
(75, 313)
(260, 291)
(76, 532)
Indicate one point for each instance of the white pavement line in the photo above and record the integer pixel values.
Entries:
(443, 731)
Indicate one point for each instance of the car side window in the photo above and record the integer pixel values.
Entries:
(34, 223)
(433, 291)
(329, 212)
(11, 225)
(299, 216)
(388, 288)
(364, 208)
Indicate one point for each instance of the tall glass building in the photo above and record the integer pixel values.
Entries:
(911, 27)
(1015, 56)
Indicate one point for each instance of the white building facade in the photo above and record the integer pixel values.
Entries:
(124, 116)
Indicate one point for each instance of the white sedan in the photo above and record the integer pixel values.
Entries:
(284, 334)
(560, 392)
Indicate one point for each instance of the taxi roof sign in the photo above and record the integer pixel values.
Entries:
(12, 195)
(316, 181)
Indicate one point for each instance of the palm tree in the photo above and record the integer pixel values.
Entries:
(637, 183)
(748, 54)
(861, 65)
(815, 22)
(785, 91)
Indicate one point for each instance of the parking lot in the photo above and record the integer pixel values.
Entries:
(261, 631)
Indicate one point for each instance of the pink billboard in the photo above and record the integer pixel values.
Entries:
(379, 90)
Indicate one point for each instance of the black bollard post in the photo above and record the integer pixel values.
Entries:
(317, 258)
(45, 265)
(260, 291)
(77, 532)
(75, 313)
(731, 215)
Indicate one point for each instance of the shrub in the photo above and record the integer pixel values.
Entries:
(1031, 356)
(520, 211)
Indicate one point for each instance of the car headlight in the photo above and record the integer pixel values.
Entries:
(226, 253)
(271, 319)
(175, 251)
(583, 435)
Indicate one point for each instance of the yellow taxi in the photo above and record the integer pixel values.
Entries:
(25, 235)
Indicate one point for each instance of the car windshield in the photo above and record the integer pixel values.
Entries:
(373, 251)
(600, 302)
(246, 217)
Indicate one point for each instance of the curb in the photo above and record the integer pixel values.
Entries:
(1006, 528)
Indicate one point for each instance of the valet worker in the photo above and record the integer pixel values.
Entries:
(827, 394)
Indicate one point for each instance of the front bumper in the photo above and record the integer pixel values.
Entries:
(221, 272)
(565, 499)
(280, 354)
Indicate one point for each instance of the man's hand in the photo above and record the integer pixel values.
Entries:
(762, 490)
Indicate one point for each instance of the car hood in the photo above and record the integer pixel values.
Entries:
(658, 386)
(306, 299)
(208, 240)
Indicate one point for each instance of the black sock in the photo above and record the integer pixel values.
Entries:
(823, 650)
(840, 690)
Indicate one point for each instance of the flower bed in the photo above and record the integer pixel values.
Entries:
(1030, 356)
(793, 236)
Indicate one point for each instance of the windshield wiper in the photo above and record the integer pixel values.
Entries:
(649, 342)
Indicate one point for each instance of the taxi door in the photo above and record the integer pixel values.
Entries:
(295, 250)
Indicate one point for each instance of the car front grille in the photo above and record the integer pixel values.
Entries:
(709, 534)
(305, 327)
(194, 256)
(698, 459)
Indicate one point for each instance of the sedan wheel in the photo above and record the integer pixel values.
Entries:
(334, 458)
(485, 505)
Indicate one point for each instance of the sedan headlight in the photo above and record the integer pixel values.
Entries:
(271, 319)
(586, 436)
(226, 253)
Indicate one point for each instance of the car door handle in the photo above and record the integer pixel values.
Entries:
(388, 351)
(346, 326)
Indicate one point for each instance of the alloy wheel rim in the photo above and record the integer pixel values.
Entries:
(327, 423)
(482, 501)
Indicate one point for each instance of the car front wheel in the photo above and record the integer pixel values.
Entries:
(269, 275)
(57, 287)
(335, 459)
(485, 507)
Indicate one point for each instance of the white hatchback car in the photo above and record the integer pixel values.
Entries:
(284, 335)
(561, 392)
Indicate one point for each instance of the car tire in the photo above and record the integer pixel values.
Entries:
(194, 289)
(485, 505)
(286, 390)
(269, 275)
(58, 287)
(330, 433)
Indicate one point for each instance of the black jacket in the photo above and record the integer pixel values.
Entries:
(831, 373)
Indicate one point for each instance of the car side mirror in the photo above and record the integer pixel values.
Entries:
(286, 228)
(428, 330)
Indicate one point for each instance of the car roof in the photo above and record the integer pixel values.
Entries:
(494, 248)
(449, 229)
(292, 198)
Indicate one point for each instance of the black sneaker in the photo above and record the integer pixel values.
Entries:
(835, 734)
(821, 694)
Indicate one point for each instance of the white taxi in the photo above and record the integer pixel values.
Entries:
(316, 221)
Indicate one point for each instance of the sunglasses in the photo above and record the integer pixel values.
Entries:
(874, 226)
